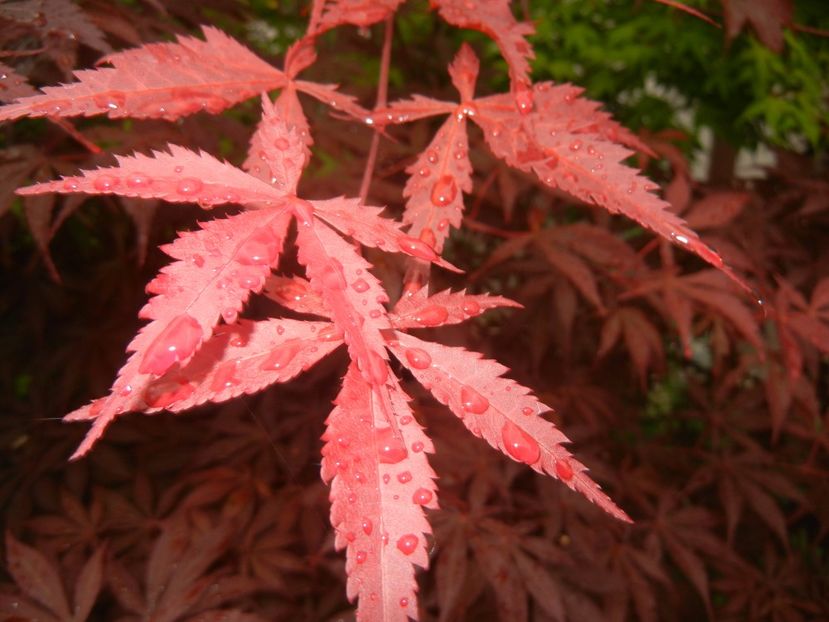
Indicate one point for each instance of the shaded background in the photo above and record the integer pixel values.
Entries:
(702, 413)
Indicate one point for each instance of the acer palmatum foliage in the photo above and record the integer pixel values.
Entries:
(195, 348)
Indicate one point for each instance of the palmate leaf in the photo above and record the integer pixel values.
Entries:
(568, 144)
(159, 81)
(380, 483)
(216, 270)
(498, 410)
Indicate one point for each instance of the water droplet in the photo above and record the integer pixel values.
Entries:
(375, 313)
(375, 370)
(404, 602)
(417, 358)
(406, 420)
(407, 544)
(71, 185)
(351, 536)
(175, 343)
(163, 394)
(367, 526)
(519, 444)
(422, 496)
(405, 477)
(238, 341)
(126, 390)
(443, 224)
(417, 447)
(281, 143)
(432, 315)
(198, 260)
(564, 470)
(416, 248)
(138, 181)
(390, 448)
(432, 156)
(524, 100)
(250, 281)
(360, 286)
(230, 315)
(444, 191)
(352, 498)
(225, 377)
(281, 357)
(260, 249)
(330, 333)
(575, 145)
(472, 401)
(105, 183)
(471, 307)
(361, 557)
(527, 410)
(189, 186)
(680, 238)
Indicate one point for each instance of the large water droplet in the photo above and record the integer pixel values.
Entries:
(422, 496)
(260, 249)
(281, 357)
(471, 307)
(330, 333)
(564, 469)
(367, 526)
(432, 315)
(375, 369)
(390, 448)
(419, 359)
(404, 602)
(473, 402)
(225, 377)
(417, 447)
(189, 186)
(416, 248)
(519, 444)
(444, 191)
(360, 286)
(163, 394)
(407, 544)
(175, 343)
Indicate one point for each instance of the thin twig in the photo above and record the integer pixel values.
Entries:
(382, 97)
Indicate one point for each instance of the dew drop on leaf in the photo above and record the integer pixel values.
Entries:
(519, 444)
(419, 359)
(405, 477)
(70, 185)
(416, 248)
(260, 249)
(163, 394)
(229, 315)
(444, 191)
(281, 357)
(360, 286)
(424, 171)
(281, 143)
(527, 410)
(564, 470)
(367, 526)
(407, 544)
(105, 183)
(390, 448)
(473, 402)
(417, 447)
(175, 343)
(189, 186)
(432, 156)
(361, 557)
(422, 496)
(471, 307)
(139, 180)
(575, 145)
(225, 377)
(404, 602)
(432, 315)
(330, 333)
